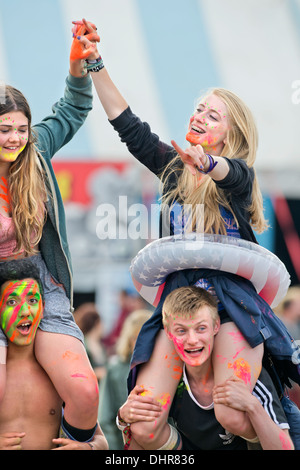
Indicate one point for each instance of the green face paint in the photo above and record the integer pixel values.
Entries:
(21, 310)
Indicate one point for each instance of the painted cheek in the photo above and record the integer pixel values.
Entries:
(9, 317)
(37, 316)
(12, 156)
(178, 345)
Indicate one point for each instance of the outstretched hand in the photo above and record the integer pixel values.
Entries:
(194, 157)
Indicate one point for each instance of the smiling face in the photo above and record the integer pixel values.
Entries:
(13, 135)
(209, 125)
(193, 337)
(21, 310)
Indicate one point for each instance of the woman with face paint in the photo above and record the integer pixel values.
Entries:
(216, 171)
(32, 225)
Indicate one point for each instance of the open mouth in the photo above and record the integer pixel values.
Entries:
(194, 351)
(198, 130)
(24, 328)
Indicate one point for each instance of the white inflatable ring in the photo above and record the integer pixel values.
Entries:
(155, 261)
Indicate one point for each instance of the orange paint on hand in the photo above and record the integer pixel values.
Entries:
(146, 393)
(78, 50)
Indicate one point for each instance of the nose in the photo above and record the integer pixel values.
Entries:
(14, 136)
(200, 116)
(192, 337)
(25, 310)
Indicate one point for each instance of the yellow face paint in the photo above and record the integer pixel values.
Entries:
(6, 155)
(14, 133)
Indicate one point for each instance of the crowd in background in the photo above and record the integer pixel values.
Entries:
(110, 355)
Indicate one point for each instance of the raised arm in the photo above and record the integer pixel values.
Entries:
(111, 99)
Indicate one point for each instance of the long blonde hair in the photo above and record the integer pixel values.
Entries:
(26, 185)
(241, 142)
(130, 330)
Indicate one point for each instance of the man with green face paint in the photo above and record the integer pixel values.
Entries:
(21, 308)
(30, 412)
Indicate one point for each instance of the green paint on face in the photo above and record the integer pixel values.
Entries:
(21, 310)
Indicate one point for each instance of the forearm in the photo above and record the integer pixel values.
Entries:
(221, 169)
(270, 435)
(111, 99)
(77, 68)
(68, 115)
(99, 441)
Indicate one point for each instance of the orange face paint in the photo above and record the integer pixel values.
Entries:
(21, 310)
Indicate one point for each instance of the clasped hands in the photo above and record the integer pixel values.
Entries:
(84, 40)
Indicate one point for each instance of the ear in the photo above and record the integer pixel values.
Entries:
(168, 333)
(217, 326)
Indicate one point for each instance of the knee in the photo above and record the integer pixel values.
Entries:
(85, 393)
(145, 434)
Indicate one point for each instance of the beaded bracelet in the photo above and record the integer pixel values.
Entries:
(212, 165)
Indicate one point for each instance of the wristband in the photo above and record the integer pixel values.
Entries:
(212, 165)
(94, 65)
(121, 424)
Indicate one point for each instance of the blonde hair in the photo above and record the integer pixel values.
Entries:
(186, 301)
(130, 330)
(25, 181)
(241, 142)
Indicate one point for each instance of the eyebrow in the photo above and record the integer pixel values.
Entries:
(201, 322)
(29, 293)
(10, 125)
(208, 107)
